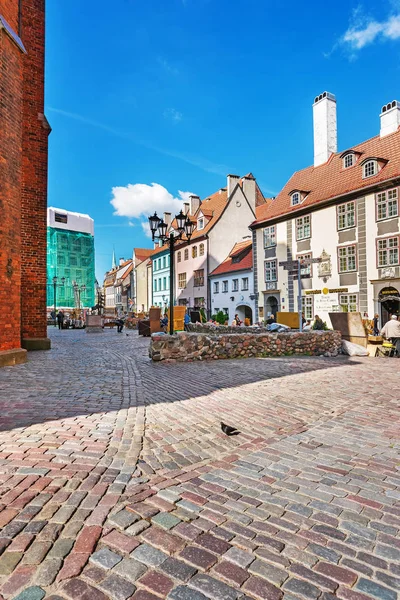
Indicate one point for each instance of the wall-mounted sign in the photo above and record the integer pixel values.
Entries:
(388, 293)
(326, 303)
(326, 291)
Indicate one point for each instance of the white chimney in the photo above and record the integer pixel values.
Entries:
(232, 181)
(167, 219)
(121, 261)
(390, 118)
(194, 204)
(325, 127)
(186, 208)
(249, 190)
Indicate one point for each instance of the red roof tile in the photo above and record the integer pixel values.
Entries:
(142, 254)
(246, 262)
(330, 180)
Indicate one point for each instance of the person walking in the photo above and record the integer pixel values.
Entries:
(376, 324)
(60, 319)
(391, 331)
(120, 324)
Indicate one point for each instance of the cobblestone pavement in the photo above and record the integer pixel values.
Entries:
(116, 481)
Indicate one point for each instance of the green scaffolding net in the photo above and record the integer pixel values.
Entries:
(70, 255)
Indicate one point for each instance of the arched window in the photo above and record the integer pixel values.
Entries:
(194, 251)
(201, 249)
(370, 168)
(296, 199)
(186, 255)
(179, 256)
(348, 160)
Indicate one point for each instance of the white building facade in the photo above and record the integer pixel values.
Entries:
(344, 211)
(160, 278)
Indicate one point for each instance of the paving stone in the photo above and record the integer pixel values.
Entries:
(231, 573)
(61, 548)
(148, 555)
(9, 561)
(182, 592)
(117, 587)
(261, 589)
(156, 582)
(199, 558)
(178, 569)
(270, 572)
(164, 540)
(239, 557)
(212, 588)
(31, 593)
(105, 558)
(123, 519)
(138, 527)
(130, 569)
(165, 520)
(77, 589)
(300, 588)
(376, 590)
(48, 571)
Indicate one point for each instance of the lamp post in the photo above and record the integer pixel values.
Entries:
(55, 279)
(78, 290)
(159, 232)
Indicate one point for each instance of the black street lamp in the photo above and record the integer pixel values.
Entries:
(55, 279)
(159, 232)
(78, 289)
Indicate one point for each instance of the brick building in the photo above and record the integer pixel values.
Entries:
(23, 181)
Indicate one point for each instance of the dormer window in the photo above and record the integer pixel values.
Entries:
(296, 198)
(348, 161)
(370, 168)
(200, 223)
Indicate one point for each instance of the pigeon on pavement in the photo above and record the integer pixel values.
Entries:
(228, 430)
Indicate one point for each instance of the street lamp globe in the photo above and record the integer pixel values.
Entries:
(162, 229)
(188, 228)
(62, 280)
(55, 279)
(180, 220)
(153, 222)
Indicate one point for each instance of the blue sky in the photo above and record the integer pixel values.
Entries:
(178, 93)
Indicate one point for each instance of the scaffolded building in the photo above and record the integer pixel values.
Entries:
(70, 258)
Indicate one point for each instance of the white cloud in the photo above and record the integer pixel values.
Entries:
(173, 115)
(364, 31)
(140, 200)
(146, 229)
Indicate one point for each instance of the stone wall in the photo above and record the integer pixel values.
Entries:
(209, 328)
(188, 347)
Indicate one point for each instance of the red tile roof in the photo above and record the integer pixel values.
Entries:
(246, 262)
(142, 254)
(330, 180)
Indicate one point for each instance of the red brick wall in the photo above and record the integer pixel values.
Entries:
(11, 91)
(34, 174)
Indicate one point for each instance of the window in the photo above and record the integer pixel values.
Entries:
(159, 263)
(307, 307)
(182, 281)
(245, 284)
(346, 215)
(164, 262)
(303, 227)
(387, 204)
(186, 254)
(269, 236)
(155, 285)
(61, 260)
(201, 250)
(348, 161)
(348, 302)
(199, 302)
(200, 223)
(159, 284)
(296, 199)
(164, 283)
(347, 259)
(235, 285)
(370, 168)
(224, 286)
(216, 287)
(194, 252)
(388, 252)
(60, 218)
(199, 278)
(179, 256)
(270, 270)
(306, 269)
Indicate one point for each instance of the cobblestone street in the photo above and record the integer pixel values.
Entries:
(116, 481)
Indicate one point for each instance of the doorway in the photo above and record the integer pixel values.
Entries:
(245, 312)
(389, 299)
(271, 306)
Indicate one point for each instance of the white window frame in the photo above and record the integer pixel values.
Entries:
(346, 256)
(307, 306)
(350, 301)
(302, 224)
(387, 204)
(216, 287)
(245, 284)
(295, 199)
(225, 286)
(387, 247)
(194, 251)
(201, 250)
(179, 256)
(200, 223)
(235, 285)
(370, 168)
(346, 215)
(181, 281)
(270, 236)
(271, 269)
(305, 270)
(186, 254)
(348, 160)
